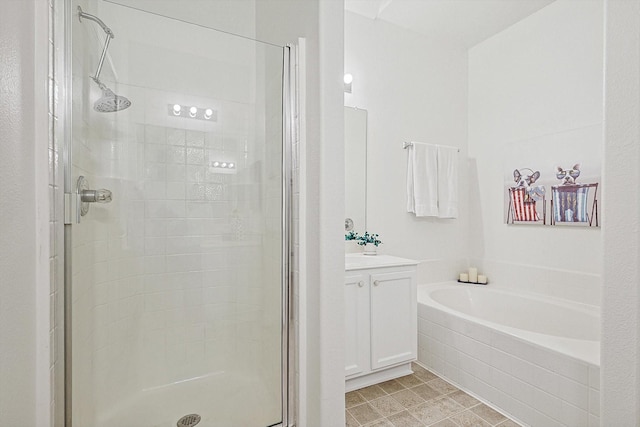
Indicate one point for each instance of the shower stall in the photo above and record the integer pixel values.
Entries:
(177, 205)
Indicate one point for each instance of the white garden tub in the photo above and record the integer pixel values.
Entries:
(532, 356)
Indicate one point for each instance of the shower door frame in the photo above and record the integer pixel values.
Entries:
(290, 81)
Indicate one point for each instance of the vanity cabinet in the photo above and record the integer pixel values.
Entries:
(380, 321)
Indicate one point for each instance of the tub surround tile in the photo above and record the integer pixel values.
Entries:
(526, 380)
(594, 377)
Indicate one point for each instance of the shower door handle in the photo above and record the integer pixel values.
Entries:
(86, 196)
(96, 196)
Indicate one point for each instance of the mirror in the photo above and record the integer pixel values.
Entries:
(355, 155)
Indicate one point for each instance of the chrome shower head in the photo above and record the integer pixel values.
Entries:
(110, 102)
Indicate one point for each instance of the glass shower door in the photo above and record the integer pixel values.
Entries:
(176, 291)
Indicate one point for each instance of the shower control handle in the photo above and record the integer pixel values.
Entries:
(85, 196)
(96, 196)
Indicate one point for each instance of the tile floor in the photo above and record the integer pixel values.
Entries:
(418, 400)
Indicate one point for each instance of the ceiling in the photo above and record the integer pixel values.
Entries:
(467, 22)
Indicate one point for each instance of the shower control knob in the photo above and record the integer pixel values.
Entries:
(96, 196)
(87, 196)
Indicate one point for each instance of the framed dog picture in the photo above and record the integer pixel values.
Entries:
(526, 198)
(554, 179)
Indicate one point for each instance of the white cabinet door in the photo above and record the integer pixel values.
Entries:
(356, 292)
(394, 337)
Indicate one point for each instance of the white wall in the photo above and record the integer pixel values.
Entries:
(414, 89)
(536, 88)
(24, 215)
(620, 382)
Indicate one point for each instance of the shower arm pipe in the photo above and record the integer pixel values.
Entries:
(110, 36)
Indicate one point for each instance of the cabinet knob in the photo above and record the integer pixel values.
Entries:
(360, 283)
(376, 283)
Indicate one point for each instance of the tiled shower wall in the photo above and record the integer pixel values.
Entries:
(178, 277)
(167, 273)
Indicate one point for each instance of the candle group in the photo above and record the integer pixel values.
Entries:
(472, 276)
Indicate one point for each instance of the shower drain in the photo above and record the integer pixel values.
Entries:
(189, 420)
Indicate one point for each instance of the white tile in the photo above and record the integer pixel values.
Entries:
(573, 416)
(501, 380)
(542, 419)
(574, 393)
(546, 403)
(594, 377)
(501, 360)
(176, 190)
(546, 380)
(522, 370)
(176, 155)
(154, 246)
(195, 139)
(523, 412)
(522, 391)
(175, 173)
(176, 136)
(594, 402)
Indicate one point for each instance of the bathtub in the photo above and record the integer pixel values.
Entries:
(531, 356)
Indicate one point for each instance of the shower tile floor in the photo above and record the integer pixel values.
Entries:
(418, 400)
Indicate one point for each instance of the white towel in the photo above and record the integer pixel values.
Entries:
(447, 182)
(422, 179)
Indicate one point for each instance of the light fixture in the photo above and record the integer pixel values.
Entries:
(192, 112)
(223, 167)
(348, 82)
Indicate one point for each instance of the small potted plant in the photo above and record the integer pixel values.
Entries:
(369, 242)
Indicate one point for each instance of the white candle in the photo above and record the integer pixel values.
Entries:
(482, 279)
(473, 275)
(464, 277)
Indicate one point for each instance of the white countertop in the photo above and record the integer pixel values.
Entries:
(361, 262)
